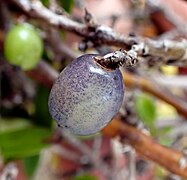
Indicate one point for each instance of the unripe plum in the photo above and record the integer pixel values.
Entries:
(86, 97)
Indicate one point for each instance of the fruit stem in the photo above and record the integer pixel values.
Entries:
(116, 59)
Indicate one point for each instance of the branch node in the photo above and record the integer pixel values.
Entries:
(116, 59)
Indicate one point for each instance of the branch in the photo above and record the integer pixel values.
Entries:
(97, 34)
(134, 81)
(170, 159)
(59, 48)
(172, 52)
(44, 74)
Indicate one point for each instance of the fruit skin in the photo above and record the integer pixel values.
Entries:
(86, 97)
(23, 46)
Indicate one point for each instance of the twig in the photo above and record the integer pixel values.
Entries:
(97, 161)
(10, 171)
(134, 81)
(96, 147)
(116, 59)
(132, 164)
(178, 81)
(172, 52)
(63, 152)
(178, 131)
(171, 15)
(44, 74)
(59, 48)
(97, 34)
(168, 122)
(118, 160)
(4, 16)
(147, 147)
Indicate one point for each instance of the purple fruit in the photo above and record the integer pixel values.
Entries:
(86, 97)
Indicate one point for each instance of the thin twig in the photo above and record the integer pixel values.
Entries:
(98, 34)
(171, 52)
(135, 81)
(132, 164)
(59, 48)
(178, 81)
(97, 161)
(172, 16)
(147, 147)
(44, 74)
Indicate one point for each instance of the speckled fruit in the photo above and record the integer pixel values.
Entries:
(85, 97)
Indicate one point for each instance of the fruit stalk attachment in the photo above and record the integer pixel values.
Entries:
(116, 59)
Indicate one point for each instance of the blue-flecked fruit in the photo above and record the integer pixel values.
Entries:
(86, 97)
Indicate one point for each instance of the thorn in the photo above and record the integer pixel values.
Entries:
(88, 18)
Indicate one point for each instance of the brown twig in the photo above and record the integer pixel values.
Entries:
(147, 147)
(59, 48)
(170, 18)
(154, 89)
(43, 74)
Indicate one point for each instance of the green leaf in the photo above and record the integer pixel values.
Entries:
(165, 141)
(85, 177)
(67, 5)
(12, 124)
(42, 116)
(146, 109)
(30, 164)
(163, 138)
(23, 142)
(45, 2)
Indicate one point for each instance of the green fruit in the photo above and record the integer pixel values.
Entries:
(23, 46)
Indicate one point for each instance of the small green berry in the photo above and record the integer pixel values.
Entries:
(23, 46)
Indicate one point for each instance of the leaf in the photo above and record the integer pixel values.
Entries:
(45, 2)
(67, 5)
(30, 164)
(85, 177)
(23, 142)
(12, 124)
(163, 136)
(146, 109)
(42, 116)
(165, 141)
